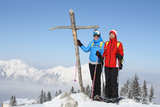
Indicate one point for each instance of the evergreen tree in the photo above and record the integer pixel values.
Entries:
(129, 95)
(151, 95)
(49, 97)
(60, 91)
(11, 101)
(42, 97)
(14, 101)
(72, 90)
(56, 94)
(135, 90)
(45, 97)
(122, 91)
(144, 93)
(125, 89)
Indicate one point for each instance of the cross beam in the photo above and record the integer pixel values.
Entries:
(74, 31)
(77, 27)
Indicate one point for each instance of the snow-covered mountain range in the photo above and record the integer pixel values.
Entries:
(20, 79)
(18, 70)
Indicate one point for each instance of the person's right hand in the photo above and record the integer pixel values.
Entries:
(79, 43)
(98, 53)
(100, 57)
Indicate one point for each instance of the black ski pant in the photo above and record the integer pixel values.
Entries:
(111, 87)
(97, 82)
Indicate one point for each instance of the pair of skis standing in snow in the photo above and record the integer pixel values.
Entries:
(111, 54)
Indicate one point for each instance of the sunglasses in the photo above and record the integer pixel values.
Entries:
(96, 35)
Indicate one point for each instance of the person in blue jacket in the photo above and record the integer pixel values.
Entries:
(95, 48)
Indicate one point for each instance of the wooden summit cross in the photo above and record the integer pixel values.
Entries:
(74, 31)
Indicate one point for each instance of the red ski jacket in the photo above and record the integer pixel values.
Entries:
(111, 49)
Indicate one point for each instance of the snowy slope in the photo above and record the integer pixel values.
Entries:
(83, 101)
(21, 101)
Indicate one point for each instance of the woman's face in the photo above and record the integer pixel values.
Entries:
(96, 37)
(111, 36)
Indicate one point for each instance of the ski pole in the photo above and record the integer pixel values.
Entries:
(103, 81)
(75, 74)
(94, 78)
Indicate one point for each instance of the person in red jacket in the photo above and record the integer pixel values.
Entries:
(113, 56)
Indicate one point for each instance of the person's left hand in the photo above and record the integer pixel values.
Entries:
(120, 66)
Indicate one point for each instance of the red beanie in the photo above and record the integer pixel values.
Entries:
(114, 32)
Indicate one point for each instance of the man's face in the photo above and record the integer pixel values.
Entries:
(111, 36)
(96, 37)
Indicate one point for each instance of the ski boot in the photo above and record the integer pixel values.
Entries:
(98, 98)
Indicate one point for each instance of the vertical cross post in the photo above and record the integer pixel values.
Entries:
(74, 32)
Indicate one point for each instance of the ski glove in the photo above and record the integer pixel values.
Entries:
(98, 53)
(120, 66)
(79, 43)
(99, 56)
(120, 58)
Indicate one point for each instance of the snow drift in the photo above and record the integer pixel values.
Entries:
(81, 100)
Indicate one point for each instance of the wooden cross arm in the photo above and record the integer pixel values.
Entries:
(60, 27)
(87, 27)
(77, 27)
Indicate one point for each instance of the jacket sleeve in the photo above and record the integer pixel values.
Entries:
(104, 50)
(86, 49)
(120, 50)
(120, 53)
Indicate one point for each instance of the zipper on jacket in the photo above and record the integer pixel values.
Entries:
(110, 53)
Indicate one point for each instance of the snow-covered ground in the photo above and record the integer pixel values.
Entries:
(22, 101)
(81, 100)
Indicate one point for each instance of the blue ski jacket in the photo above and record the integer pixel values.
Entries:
(93, 47)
